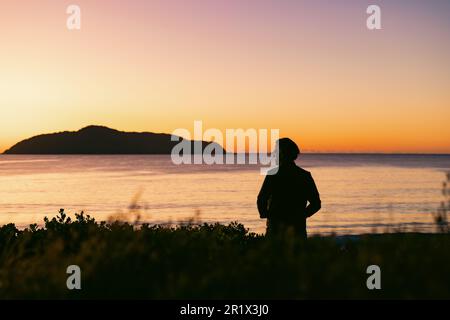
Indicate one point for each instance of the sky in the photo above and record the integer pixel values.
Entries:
(311, 69)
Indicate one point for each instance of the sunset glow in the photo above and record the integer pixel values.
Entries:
(309, 68)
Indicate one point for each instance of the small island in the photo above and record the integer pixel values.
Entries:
(98, 140)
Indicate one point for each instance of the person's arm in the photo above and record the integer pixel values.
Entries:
(314, 198)
(263, 197)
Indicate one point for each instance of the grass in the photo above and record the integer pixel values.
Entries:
(118, 260)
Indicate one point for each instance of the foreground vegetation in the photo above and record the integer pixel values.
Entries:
(118, 260)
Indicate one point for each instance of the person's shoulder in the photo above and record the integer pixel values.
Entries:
(303, 171)
(303, 174)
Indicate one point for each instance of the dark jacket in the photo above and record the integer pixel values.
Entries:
(288, 197)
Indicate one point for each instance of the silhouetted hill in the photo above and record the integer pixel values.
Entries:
(97, 140)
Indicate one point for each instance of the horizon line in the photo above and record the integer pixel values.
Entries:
(238, 153)
(329, 152)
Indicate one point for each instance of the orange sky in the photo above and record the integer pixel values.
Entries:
(308, 68)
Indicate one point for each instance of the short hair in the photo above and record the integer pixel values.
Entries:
(289, 148)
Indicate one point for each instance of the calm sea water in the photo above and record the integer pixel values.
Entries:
(360, 193)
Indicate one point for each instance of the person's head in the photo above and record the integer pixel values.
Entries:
(288, 151)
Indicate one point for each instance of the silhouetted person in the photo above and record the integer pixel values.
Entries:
(288, 197)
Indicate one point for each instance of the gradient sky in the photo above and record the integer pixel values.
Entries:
(309, 68)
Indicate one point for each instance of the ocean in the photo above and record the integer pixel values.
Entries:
(361, 193)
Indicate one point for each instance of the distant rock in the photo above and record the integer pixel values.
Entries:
(97, 140)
